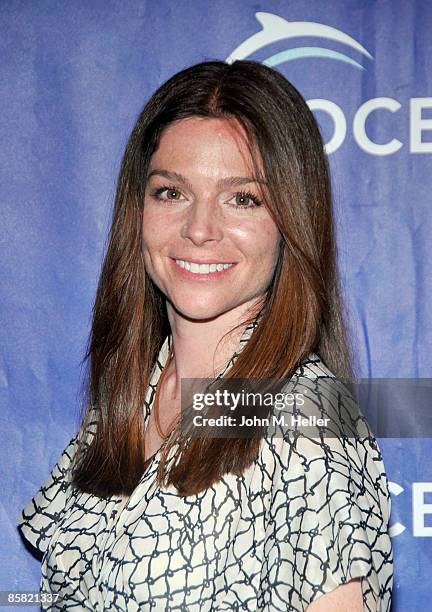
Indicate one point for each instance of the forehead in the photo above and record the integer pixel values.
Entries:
(221, 141)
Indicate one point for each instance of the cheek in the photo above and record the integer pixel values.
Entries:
(259, 240)
(151, 228)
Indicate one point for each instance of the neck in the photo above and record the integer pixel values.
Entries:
(200, 348)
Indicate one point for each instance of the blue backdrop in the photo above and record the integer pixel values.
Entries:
(75, 76)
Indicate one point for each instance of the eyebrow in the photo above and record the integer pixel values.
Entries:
(229, 181)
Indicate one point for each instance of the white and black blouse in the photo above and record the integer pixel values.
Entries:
(304, 518)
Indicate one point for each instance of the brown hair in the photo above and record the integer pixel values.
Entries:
(129, 316)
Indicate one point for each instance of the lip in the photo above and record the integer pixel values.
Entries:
(202, 277)
(203, 261)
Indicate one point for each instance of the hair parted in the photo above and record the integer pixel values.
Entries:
(130, 322)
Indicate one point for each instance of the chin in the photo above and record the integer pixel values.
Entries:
(200, 312)
(204, 314)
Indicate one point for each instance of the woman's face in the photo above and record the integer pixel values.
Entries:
(208, 244)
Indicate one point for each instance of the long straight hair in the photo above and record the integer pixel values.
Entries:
(301, 312)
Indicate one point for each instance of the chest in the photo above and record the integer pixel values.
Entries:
(157, 544)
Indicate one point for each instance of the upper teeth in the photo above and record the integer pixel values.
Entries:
(202, 268)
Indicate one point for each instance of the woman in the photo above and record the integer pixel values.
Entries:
(221, 263)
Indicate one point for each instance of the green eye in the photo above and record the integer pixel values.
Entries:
(246, 199)
(173, 194)
(167, 193)
(241, 199)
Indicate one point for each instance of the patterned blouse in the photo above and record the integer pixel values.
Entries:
(307, 516)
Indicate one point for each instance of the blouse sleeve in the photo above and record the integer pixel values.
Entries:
(38, 519)
(327, 523)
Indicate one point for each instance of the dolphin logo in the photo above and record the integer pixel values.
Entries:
(275, 28)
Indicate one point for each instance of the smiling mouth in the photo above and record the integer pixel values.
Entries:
(202, 268)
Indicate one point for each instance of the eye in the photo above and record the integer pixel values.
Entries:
(245, 199)
(167, 193)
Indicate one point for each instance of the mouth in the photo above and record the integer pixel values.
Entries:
(203, 270)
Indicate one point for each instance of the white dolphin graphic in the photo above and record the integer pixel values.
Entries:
(275, 28)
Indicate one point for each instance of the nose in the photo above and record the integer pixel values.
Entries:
(203, 222)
